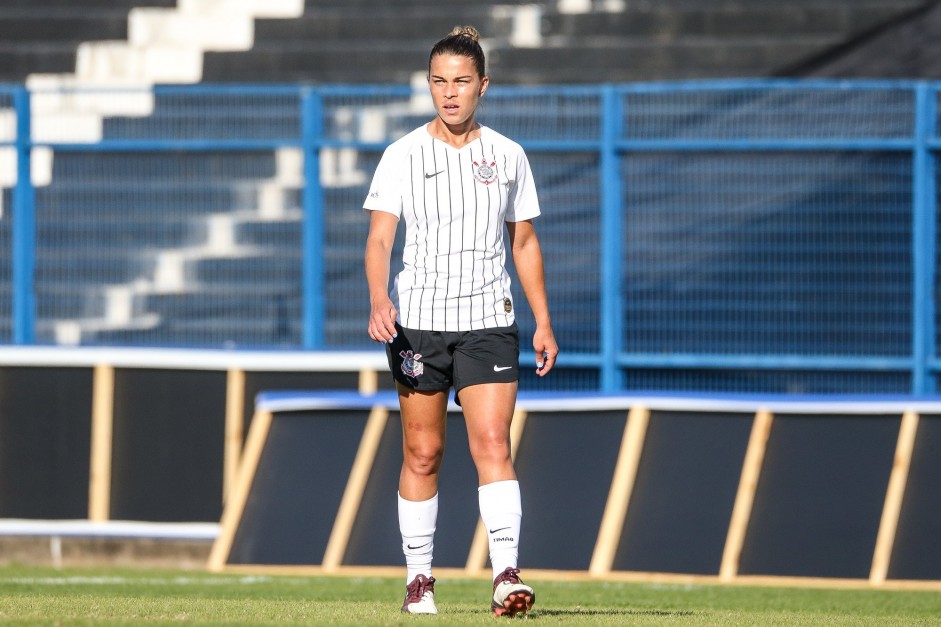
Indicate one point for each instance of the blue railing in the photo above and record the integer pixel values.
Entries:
(718, 235)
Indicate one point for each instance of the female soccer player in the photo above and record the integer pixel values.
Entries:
(449, 320)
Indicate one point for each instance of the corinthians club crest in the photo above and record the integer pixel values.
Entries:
(410, 364)
(484, 172)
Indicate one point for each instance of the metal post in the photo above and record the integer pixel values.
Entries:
(924, 248)
(312, 273)
(24, 227)
(612, 326)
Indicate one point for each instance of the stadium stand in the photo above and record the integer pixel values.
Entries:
(134, 280)
(44, 35)
(907, 47)
(554, 42)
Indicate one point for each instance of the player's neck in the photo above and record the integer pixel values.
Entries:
(457, 136)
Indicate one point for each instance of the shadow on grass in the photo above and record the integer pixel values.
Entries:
(607, 612)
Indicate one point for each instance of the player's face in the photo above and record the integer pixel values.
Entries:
(455, 88)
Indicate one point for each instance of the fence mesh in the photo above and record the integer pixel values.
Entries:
(785, 253)
(780, 113)
(176, 217)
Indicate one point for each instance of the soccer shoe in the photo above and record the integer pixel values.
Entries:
(510, 595)
(420, 596)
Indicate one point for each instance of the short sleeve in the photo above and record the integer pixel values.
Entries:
(523, 201)
(384, 191)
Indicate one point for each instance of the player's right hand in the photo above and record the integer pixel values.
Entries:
(382, 321)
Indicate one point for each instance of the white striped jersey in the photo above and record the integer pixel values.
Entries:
(454, 202)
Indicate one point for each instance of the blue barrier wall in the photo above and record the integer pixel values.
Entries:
(773, 236)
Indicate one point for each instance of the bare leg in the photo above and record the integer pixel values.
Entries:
(488, 412)
(423, 437)
(423, 429)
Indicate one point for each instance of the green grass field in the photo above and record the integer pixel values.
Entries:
(37, 596)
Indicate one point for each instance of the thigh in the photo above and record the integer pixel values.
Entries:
(488, 410)
(424, 416)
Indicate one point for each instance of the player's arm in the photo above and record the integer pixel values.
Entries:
(379, 242)
(527, 256)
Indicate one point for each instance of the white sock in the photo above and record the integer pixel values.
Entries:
(502, 513)
(417, 520)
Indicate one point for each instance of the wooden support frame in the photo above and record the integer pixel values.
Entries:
(234, 428)
(102, 428)
(254, 445)
(745, 496)
(895, 492)
(622, 486)
(368, 381)
(355, 485)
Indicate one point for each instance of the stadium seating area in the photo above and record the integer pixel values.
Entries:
(552, 42)
(370, 41)
(38, 36)
(126, 277)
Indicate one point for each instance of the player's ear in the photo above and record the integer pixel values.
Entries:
(484, 83)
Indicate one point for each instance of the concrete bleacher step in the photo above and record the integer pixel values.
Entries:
(45, 6)
(644, 61)
(369, 5)
(418, 24)
(17, 62)
(36, 29)
(348, 62)
(185, 168)
(665, 21)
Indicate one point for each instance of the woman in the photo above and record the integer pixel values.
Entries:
(449, 320)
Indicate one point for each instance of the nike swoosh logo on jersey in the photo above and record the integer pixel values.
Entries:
(501, 368)
(429, 175)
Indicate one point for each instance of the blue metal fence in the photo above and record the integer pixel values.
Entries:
(729, 235)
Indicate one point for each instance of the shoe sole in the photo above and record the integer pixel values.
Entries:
(514, 604)
(418, 612)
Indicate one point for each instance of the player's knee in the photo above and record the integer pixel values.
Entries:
(490, 448)
(424, 460)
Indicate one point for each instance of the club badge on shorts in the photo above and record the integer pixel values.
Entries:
(410, 364)
(485, 173)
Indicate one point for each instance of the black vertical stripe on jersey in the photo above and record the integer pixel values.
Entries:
(473, 245)
(494, 191)
(412, 321)
(437, 275)
(447, 283)
(509, 203)
(464, 208)
(474, 211)
(419, 292)
(483, 157)
(477, 204)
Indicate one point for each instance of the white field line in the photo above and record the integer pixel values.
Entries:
(79, 580)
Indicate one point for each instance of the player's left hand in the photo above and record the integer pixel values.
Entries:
(547, 350)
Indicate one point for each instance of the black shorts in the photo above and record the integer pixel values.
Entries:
(438, 360)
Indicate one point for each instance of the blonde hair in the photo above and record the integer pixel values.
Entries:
(462, 41)
(465, 31)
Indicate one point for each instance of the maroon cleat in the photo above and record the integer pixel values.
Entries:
(510, 595)
(420, 596)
